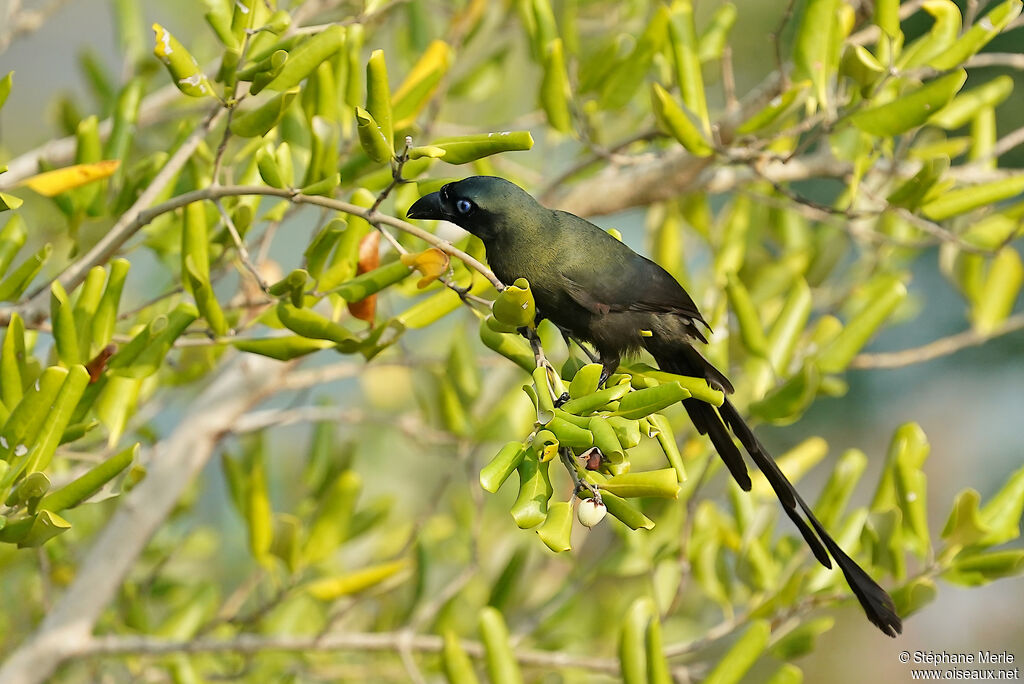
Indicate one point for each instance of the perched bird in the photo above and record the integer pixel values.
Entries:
(598, 290)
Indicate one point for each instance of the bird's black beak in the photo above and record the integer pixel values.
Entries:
(428, 207)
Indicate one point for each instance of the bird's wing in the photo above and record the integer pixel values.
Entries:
(643, 286)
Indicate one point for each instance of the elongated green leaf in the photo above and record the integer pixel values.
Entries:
(456, 664)
(657, 483)
(911, 109)
(632, 646)
(742, 656)
(332, 588)
(303, 60)
(838, 354)
(90, 482)
(999, 291)
(466, 148)
(675, 122)
(555, 93)
(531, 505)
(644, 402)
(963, 200)
(502, 667)
(556, 529)
(257, 122)
(976, 37)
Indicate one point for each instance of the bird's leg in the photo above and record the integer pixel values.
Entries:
(540, 359)
(579, 484)
(609, 366)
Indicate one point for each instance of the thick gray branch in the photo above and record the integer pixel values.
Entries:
(67, 629)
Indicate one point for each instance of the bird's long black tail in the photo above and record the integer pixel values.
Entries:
(717, 425)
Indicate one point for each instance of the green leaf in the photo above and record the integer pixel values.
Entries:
(815, 49)
(512, 347)
(643, 402)
(751, 331)
(18, 280)
(283, 348)
(909, 110)
(45, 526)
(975, 570)
(371, 137)
(514, 305)
(802, 639)
(501, 466)
(682, 37)
(652, 483)
(742, 655)
(90, 482)
(632, 642)
(5, 87)
(330, 525)
(65, 335)
(976, 37)
(259, 516)
(502, 667)
(965, 199)
(964, 526)
(1002, 513)
(182, 66)
(466, 148)
(531, 505)
(303, 60)
(555, 93)
(788, 326)
(12, 239)
(456, 664)
(787, 402)
(255, 123)
(998, 292)
(914, 596)
(661, 429)
(420, 84)
(571, 435)
(378, 95)
(697, 387)
(967, 104)
(677, 123)
(557, 527)
(372, 282)
(837, 491)
(888, 293)
(774, 110)
(334, 587)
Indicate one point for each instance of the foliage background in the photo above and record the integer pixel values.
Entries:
(968, 404)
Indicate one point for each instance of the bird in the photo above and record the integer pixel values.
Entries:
(596, 289)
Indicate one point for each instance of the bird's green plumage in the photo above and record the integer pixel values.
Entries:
(597, 289)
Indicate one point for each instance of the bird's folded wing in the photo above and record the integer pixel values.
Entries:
(649, 290)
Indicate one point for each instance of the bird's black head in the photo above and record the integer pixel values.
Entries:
(478, 204)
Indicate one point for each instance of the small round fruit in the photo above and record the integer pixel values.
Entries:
(591, 512)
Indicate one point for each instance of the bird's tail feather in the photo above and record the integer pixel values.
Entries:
(716, 424)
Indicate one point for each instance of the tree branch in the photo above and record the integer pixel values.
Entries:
(940, 347)
(335, 641)
(125, 227)
(67, 629)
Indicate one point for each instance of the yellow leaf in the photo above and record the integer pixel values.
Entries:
(432, 263)
(330, 588)
(57, 181)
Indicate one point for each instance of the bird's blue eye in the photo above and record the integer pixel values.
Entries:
(464, 206)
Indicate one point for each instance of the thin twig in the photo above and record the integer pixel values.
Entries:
(335, 641)
(938, 348)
